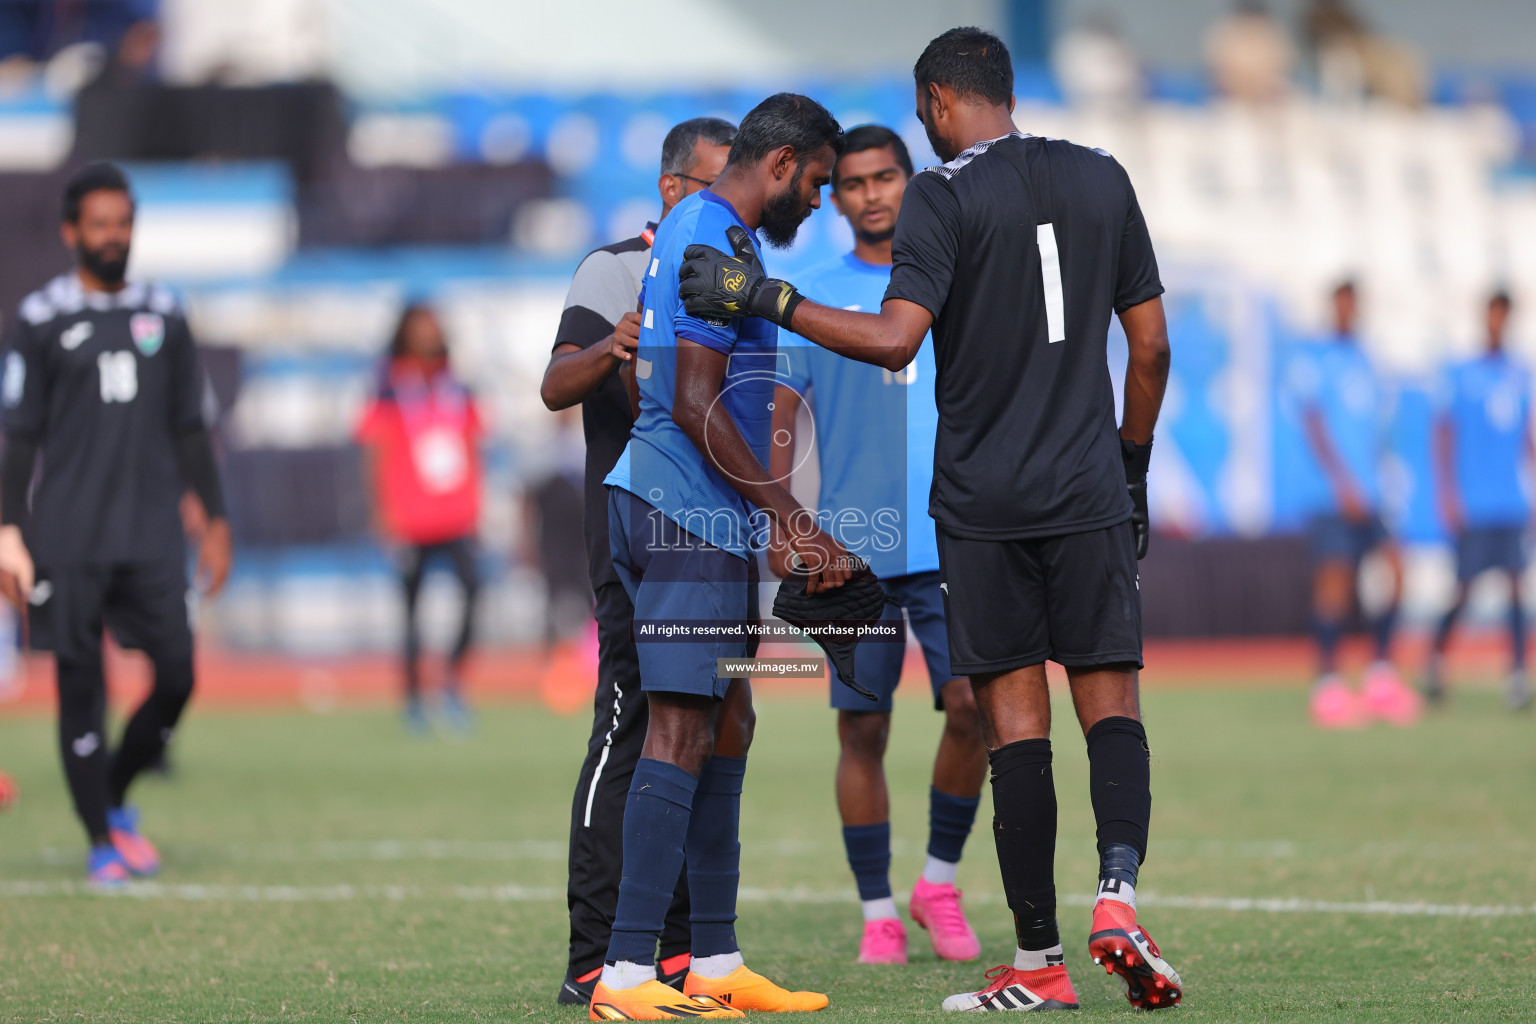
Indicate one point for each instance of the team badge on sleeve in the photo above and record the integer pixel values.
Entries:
(148, 331)
(15, 382)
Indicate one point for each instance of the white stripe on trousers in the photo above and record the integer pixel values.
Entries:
(602, 761)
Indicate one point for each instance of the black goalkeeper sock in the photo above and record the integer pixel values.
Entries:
(83, 743)
(1024, 827)
(151, 727)
(1120, 781)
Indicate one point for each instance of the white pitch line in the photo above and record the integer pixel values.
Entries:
(197, 892)
(511, 851)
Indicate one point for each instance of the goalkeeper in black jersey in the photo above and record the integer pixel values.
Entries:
(104, 434)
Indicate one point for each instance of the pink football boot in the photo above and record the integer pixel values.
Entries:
(884, 942)
(937, 908)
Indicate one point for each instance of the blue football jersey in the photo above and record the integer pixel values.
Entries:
(875, 431)
(1488, 401)
(1336, 377)
(660, 464)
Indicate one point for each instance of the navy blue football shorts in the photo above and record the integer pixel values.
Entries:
(1337, 539)
(677, 579)
(877, 664)
(1480, 548)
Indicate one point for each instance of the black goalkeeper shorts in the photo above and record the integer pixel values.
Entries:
(144, 604)
(1074, 599)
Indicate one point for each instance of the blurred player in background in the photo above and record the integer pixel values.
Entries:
(420, 436)
(1482, 440)
(102, 381)
(680, 499)
(1015, 252)
(1342, 414)
(598, 332)
(874, 439)
(554, 505)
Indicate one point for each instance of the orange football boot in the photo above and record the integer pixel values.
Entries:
(747, 990)
(654, 1001)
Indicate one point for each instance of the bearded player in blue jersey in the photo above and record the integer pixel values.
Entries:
(686, 499)
(1482, 440)
(874, 436)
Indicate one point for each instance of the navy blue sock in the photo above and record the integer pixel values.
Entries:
(1517, 633)
(1327, 632)
(1381, 632)
(656, 819)
(949, 824)
(869, 855)
(1447, 623)
(714, 856)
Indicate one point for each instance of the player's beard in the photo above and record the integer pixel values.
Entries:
(941, 147)
(108, 269)
(784, 213)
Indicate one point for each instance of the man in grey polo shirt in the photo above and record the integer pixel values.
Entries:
(598, 333)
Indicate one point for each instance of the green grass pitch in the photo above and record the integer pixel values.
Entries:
(329, 868)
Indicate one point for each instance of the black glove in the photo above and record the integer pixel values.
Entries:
(849, 609)
(716, 287)
(1137, 457)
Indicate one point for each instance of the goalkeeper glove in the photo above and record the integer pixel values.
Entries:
(1137, 457)
(715, 286)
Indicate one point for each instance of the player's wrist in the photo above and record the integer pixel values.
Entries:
(775, 300)
(1137, 459)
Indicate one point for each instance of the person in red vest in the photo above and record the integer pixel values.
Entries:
(420, 434)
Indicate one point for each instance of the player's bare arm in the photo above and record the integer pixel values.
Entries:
(631, 388)
(1343, 483)
(1445, 474)
(195, 460)
(1146, 379)
(716, 284)
(17, 573)
(889, 338)
(574, 373)
(781, 462)
(696, 411)
(1146, 371)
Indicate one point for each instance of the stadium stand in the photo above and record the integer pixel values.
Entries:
(294, 221)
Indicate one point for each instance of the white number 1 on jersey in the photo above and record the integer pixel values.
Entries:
(1050, 276)
(119, 376)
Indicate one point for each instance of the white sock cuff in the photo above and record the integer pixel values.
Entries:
(1038, 959)
(717, 966)
(625, 974)
(881, 909)
(939, 872)
(1114, 889)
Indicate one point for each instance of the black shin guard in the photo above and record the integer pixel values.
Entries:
(1024, 827)
(83, 742)
(151, 726)
(1120, 779)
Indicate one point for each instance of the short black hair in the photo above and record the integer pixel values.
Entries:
(1501, 297)
(677, 148)
(1346, 285)
(99, 176)
(785, 119)
(874, 136)
(971, 61)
